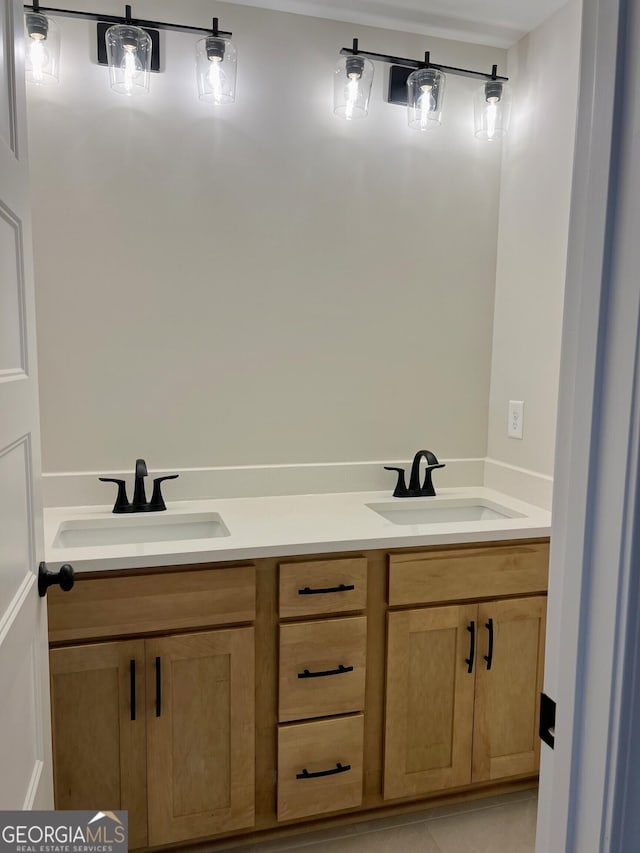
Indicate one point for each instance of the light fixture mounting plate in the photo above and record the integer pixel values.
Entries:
(398, 75)
(102, 45)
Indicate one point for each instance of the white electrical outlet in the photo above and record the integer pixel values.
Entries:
(516, 418)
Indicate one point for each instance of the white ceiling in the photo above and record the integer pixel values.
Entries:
(495, 22)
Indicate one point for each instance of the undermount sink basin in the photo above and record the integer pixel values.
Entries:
(442, 511)
(138, 529)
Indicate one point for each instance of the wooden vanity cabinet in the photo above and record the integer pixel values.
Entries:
(463, 680)
(163, 726)
(220, 702)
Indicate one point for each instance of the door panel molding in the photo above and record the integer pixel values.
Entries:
(14, 223)
(8, 74)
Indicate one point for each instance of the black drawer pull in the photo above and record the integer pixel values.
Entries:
(344, 587)
(339, 768)
(489, 656)
(132, 688)
(471, 628)
(158, 688)
(322, 673)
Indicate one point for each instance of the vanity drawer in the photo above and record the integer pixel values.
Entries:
(320, 766)
(322, 667)
(465, 573)
(146, 603)
(319, 587)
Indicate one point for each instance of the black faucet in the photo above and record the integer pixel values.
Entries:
(139, 503)
(139, 494)
(415, 490)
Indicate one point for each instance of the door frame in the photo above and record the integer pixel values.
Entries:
(592, 665)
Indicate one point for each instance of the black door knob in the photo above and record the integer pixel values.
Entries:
(65, 578)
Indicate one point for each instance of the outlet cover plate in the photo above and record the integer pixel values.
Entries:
(515, 419)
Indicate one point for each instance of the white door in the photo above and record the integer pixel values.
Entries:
(25, 727)
(589, 783)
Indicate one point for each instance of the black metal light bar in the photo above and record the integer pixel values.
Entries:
(425, 63)
(127, 19)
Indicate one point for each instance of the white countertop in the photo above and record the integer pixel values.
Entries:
(289, 525)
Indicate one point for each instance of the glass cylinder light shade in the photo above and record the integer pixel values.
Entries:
(492, 109)
(425, 96)
(352, 81)
(129, 58)
(42, 49)
(216, 62)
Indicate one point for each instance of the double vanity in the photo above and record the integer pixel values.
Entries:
(251, 666)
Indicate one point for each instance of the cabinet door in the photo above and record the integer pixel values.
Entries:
(429, 701)
(98, 719)
(505, 736)
(200, 734)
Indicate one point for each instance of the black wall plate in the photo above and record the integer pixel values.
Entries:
(398, 84)
(155, 45)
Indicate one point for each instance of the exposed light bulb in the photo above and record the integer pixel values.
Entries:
(492, 115)
(131, 67)
(351, 95)
(217, 79)
(426, 105)
(38, 57)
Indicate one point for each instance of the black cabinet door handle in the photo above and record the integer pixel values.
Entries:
(489, 656)
(65, 578)
(158, 688)
(343, 587)
(471, 628)
(322, 673)
(132, 688)
(339, 768)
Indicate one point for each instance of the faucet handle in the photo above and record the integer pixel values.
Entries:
(400, 490)
(122, 502)
(157, 503)
(428, 489)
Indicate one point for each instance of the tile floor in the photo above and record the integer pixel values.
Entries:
(504, 824)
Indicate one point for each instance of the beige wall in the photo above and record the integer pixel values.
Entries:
(532, 239)
(262, 283)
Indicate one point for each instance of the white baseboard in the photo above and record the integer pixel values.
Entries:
(82, 488)
(519, 483)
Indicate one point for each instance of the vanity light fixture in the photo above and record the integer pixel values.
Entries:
(129, 52)
(352, 81)
(425, 96)
(419, 85)
(216, 58)
(129, 46)
(492, 109)
(42, 49)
